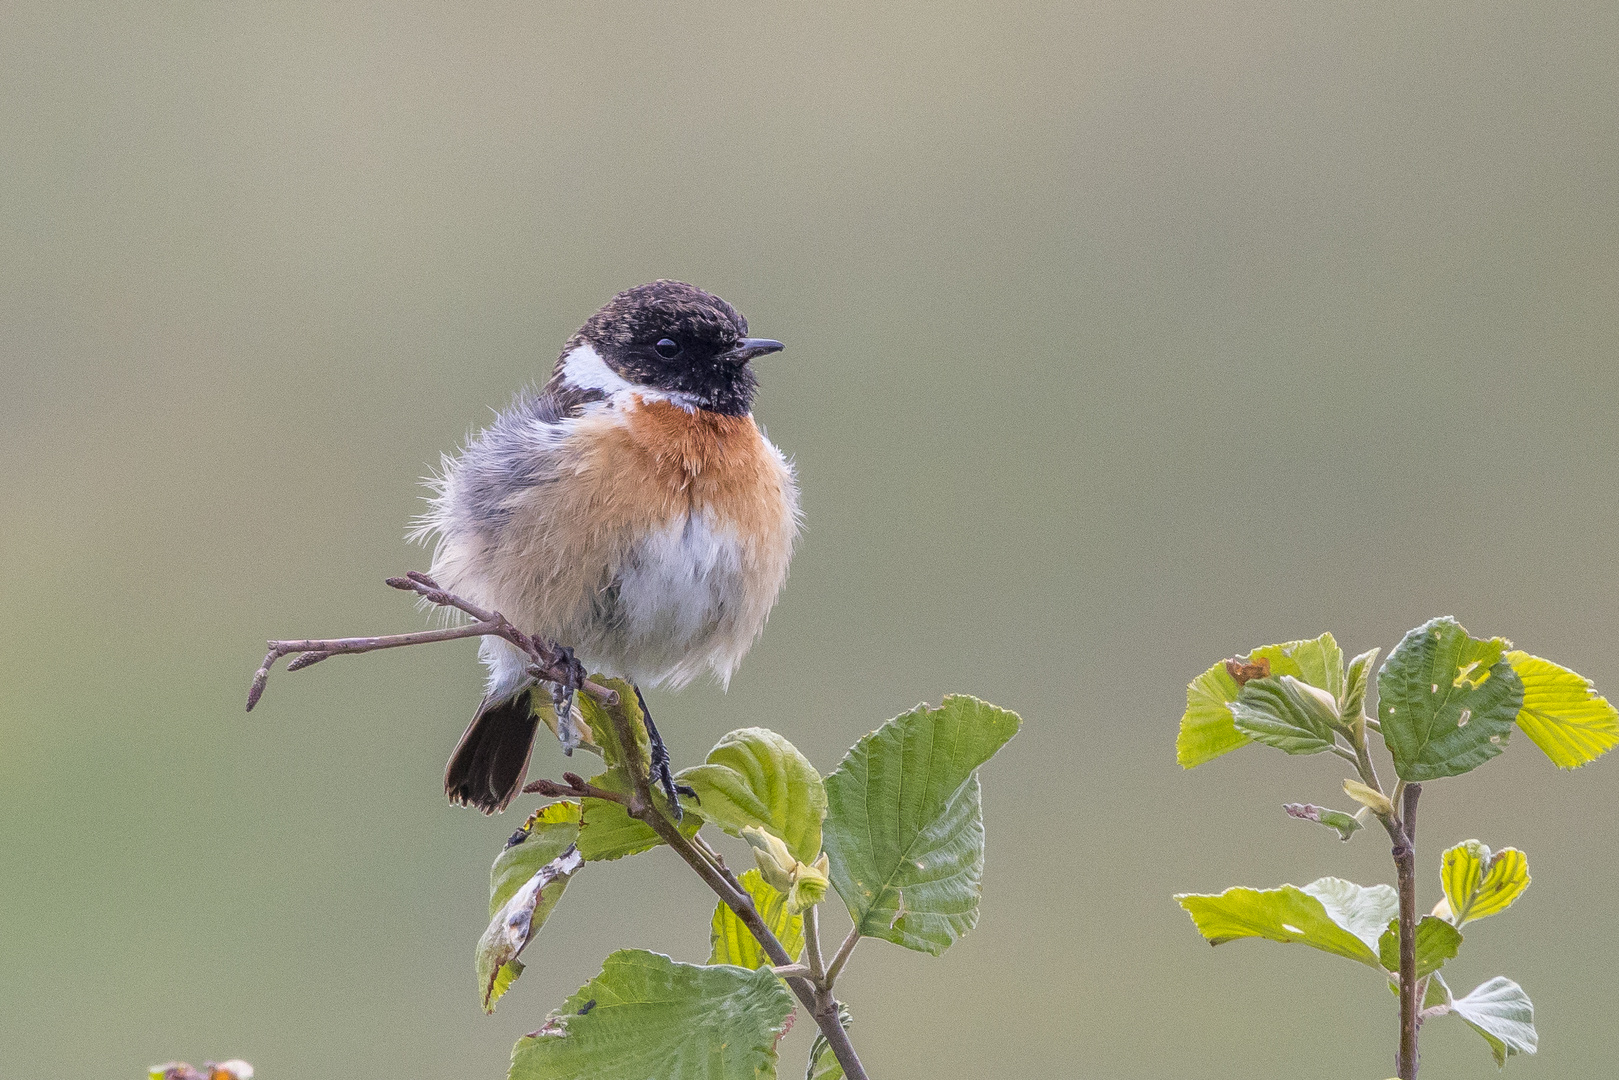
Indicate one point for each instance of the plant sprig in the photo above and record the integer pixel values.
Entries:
(1447, 703)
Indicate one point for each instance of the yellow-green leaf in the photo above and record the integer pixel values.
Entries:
(731, 942)
(1479, 883)
(1562, 713)
(1329, 914)
(1207, 728)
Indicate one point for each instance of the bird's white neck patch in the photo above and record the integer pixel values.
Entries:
(583, 367)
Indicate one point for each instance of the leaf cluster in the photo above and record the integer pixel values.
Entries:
(1445, 703)
(896, 831)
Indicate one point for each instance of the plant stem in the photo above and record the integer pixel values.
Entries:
(812, 946)
(1405, 867)
(822, 1006)
(841, 957)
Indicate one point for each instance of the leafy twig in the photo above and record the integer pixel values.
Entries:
(822, 1007)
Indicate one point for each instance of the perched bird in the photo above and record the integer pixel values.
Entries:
(631, 511)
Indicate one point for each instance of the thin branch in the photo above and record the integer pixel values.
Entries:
(1405, 867)
(823, 1007)
(1363, 764)
(792, 971)
(573, 786)
(550, 662)
(812, 947)
(1347, 755)
(841, 957)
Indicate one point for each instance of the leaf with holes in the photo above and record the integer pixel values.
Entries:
(731, 942)
(516, 922)
(547, 833)
(646, 1015)
(1479, 883)
(1329, 914)
(755, 778)
(905, 829)
(1562, 713)
(1207, 728)
(1446, 701)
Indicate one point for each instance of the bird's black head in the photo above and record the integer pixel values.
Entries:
(675, 338)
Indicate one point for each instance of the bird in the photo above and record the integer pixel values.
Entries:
(630, 510)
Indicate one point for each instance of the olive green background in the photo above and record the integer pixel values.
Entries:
(1122, 337)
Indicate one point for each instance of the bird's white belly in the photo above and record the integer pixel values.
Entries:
(680, 592)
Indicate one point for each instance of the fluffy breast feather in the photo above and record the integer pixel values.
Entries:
(652, 539)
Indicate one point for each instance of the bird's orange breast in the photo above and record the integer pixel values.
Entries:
(654, 461)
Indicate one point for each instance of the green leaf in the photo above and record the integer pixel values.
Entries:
(1355, 684)
(905, 828)
(1500, 1011)
(547, 833)
(754, 777)
(1446, 701)
(1346, 824)
(1207, 728)
(515, 924)
(1437, 941)
(1329, 914)
(646, 1016)
(1562, 713)
(604, 734)
(1285, 712)
(606, 830)
(823, 1063)
(1478, 883)
(731, 942)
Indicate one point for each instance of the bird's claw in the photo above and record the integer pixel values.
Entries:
(562, 695)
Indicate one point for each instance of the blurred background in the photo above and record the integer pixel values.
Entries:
(1122, 338)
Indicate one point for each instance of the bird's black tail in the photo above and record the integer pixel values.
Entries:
(491, 760)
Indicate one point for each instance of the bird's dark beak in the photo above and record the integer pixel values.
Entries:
(750, 347)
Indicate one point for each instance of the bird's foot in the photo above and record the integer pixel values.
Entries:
(562, 695)
(660, 761)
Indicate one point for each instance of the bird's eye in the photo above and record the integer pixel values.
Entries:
(667, 348)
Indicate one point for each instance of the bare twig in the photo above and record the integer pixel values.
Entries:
(572, 786)
(821, 1006)
(550, 662)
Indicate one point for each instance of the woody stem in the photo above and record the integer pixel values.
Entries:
(821, 1006)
